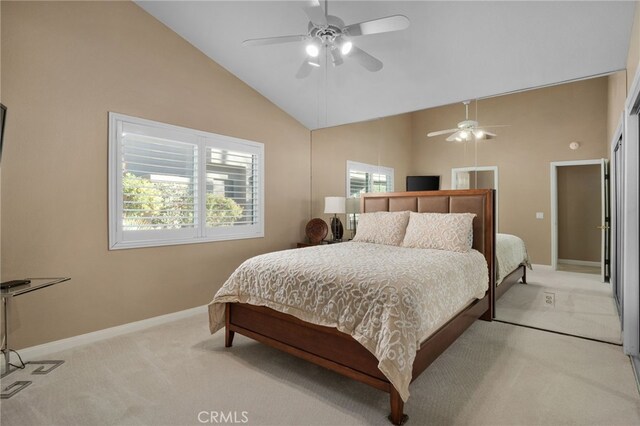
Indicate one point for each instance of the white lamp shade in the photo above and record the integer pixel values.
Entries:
(334, 205)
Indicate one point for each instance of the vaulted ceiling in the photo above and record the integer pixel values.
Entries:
(451, 52)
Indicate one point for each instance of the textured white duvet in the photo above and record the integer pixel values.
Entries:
(387, 298)
(510, 253)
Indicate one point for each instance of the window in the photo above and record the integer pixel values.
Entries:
(173, 185)
(363, 178)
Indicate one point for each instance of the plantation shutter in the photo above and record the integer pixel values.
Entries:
(363, 178)
(159, 183)
(232, 182)
(174, 185)
(358, 183)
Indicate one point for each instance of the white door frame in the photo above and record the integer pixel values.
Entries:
(615, 258)
(494, 169)
(554, 202)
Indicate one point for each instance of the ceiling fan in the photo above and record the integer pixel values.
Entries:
(467, 129)
(330, 32)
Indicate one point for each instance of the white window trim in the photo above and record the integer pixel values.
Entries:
(367, 168)
(201, 233)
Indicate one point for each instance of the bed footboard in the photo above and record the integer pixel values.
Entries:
(339, 352)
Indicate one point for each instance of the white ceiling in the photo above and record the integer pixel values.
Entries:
(452, 51)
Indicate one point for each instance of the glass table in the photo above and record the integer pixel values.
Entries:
(7, 295)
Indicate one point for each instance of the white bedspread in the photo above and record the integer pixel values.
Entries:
(387, 298)
(510, 253)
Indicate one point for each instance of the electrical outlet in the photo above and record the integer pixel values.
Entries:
(550, 299)
(539, 215)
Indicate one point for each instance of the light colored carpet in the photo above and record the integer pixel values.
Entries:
(495, 374)
(584, 306)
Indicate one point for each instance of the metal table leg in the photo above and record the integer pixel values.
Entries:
(15, 387)
(5, 342)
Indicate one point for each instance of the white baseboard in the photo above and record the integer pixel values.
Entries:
(579, 262)
(39, 351)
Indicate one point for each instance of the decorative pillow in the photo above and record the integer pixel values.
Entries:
(382, 228)
(441, 231)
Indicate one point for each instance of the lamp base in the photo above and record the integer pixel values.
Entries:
(336, 229)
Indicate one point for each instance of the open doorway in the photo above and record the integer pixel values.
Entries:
(580, 217)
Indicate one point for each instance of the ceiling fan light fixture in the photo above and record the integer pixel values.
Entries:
(464, 134)
(346, 47)
(478, 134)
(312, 50)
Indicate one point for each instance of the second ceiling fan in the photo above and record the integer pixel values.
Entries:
(467, 129)
(330, 32)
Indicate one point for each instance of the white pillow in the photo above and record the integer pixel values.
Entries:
(382, 228)
(441, 231)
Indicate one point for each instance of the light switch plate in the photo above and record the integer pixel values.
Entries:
(539, 215)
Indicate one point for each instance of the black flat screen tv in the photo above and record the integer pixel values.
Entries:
(3, 114)
(423, 183)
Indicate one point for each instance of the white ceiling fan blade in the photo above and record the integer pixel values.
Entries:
(441, 132)
(274, 40)
(454, 137)
(304, 70)
(366, 60)
(315, 13)
(376, 26)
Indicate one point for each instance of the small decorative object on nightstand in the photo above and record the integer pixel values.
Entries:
(316, 230)
(335, 206)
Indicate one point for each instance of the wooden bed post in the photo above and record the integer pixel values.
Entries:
(397, 416)
(228, 334)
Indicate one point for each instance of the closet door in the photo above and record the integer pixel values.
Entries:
(617, 234)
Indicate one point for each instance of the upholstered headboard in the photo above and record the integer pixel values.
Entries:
(478, 201)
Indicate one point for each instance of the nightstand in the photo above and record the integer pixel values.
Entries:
(301, 245)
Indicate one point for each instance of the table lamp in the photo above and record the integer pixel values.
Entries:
(335, 206)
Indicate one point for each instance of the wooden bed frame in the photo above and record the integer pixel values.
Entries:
(511, 279)
(337, 351)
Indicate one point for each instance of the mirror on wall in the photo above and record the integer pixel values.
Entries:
(477, 177)
(563, 123)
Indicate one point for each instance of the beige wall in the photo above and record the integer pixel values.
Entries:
(542, 124)
(616, 95)
(481, 179)
(383, 142)
(65, 65)
(579, 213)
